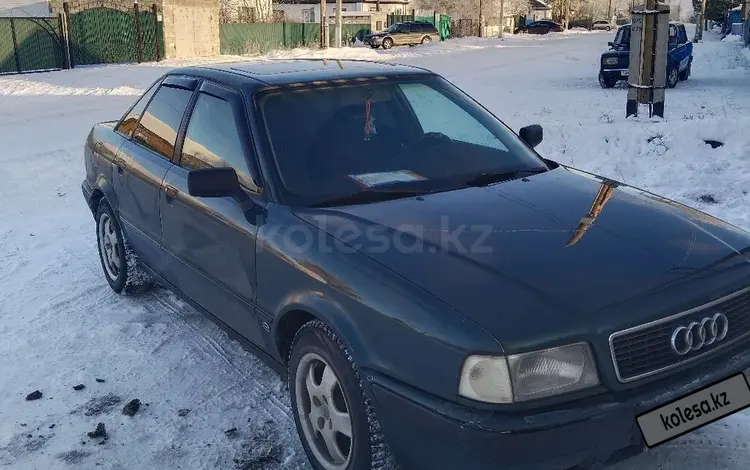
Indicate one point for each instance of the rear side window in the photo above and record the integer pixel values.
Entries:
(161, 121)
(212, 139)
(130, 121)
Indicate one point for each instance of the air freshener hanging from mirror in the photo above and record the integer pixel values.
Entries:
(369, 120)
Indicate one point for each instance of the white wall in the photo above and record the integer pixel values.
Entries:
(24, 8)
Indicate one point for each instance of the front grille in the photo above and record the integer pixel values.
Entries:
(647, 349)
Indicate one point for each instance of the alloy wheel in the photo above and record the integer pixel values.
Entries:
(110, 246)
(323, 412)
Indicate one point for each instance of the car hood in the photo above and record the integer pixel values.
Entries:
(568, 253)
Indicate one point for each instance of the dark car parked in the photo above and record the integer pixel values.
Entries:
(436, 293)
(615, 63)
(539, 27)
(407, 33)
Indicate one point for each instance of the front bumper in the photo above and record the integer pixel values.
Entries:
(374, 41)
(615, 74)
(428, 433)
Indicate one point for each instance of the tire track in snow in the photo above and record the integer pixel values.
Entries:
(209, 346)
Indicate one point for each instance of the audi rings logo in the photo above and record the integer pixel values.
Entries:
(698, 334)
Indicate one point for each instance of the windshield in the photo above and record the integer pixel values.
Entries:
(414, 132)
(392, 28)
(623, 36)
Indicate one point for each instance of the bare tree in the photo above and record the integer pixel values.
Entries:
(246, 11)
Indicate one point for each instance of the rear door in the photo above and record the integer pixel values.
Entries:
(142, 163)
(209, 243)
(403, 35)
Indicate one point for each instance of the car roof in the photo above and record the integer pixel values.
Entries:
(287, 72)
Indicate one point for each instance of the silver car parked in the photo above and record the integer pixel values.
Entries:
(602, 25)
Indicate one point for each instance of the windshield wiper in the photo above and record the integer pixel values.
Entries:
(485, 179)
(369, 195)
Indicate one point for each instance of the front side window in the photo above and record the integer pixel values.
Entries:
(161, 121)
(130, 121)
(411, 132)
(212, 140)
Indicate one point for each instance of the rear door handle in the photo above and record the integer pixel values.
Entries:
(171, 192)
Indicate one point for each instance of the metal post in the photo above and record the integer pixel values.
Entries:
(15, 44)
(609, 11)
(65, 39)
(339, 7)
(155, 12)
(139, 37)
(323, 25)
(69, 29)
(647, 76)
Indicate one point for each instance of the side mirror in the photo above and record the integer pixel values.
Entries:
(611, 44)
(213, 182)
(532, 135)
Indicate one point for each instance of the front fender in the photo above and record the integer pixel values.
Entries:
(330, 312)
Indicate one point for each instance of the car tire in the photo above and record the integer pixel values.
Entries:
(121, 266)
(319, 357)
(426, 40)
(387, 43)
(673, 77)
(606, 82)
(608, 28)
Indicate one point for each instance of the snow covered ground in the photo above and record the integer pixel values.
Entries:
(61, 325)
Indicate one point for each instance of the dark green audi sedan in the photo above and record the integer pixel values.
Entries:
(439, 295)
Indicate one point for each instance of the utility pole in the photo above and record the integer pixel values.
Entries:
(649, 35)
(339, 7)
(481, 20)
(323, 25)
(609, 11)
(502, 17)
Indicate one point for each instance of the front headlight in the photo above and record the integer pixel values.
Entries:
(528, 376)
(611, 60)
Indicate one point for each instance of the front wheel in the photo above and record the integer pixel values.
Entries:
(606, 82)
(119, 261)
(387, 43)
(673, 76)
(333, 414)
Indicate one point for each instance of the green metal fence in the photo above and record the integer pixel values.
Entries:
(256, 38)
(111, 35)
(30, 44)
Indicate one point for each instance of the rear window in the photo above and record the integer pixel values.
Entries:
(623, 36)
(332, 141)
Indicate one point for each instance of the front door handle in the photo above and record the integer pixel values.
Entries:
(171, 193)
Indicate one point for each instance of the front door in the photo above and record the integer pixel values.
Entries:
(142, 164)
(209, 243)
